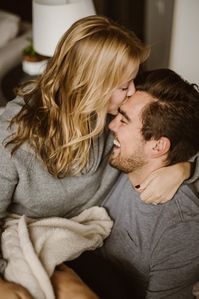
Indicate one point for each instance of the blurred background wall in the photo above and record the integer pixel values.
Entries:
(184, 50)
(169, 26)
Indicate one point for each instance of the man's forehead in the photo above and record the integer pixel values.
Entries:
(140, 97)
(137, 101)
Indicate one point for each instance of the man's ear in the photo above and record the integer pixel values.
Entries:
(160, 147)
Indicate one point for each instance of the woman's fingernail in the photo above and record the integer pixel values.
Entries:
(137, 186)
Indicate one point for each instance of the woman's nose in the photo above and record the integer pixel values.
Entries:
(131, 89)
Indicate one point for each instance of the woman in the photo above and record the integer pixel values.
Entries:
(54, 136)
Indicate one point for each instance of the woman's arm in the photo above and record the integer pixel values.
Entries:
(163, 183)
(8, 181)
(67, 284)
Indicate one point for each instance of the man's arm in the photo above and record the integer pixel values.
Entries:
(175, 263)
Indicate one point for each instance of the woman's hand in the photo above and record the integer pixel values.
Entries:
(10, 290)
(68, 285)
(163, 183)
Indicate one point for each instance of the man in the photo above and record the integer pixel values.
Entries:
(157, 245)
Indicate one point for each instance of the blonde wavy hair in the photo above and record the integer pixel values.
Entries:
(66, 107)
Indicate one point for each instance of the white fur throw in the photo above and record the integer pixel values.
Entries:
(33, 248)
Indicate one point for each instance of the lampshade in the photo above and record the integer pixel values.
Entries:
(51, 18)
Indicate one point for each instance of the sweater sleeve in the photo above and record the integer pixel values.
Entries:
(195, 177)
(8, 181)
(175, 263)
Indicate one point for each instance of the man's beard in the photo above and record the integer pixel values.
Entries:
(127, 165)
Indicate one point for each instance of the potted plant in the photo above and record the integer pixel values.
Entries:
(33, 63)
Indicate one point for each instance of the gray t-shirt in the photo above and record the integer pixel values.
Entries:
(158, 246)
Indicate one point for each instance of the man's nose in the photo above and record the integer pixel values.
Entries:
(131, 89)
(114, 124)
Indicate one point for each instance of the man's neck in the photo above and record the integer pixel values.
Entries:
(139, 175)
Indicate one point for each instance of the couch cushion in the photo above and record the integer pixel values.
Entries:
(9, 26)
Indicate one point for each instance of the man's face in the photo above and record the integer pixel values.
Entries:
(130, 149)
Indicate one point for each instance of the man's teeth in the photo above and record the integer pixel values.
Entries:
(115, 142)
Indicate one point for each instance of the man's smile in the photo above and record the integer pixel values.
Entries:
(116, 143)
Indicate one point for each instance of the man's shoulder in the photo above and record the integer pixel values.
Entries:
(187, 193)
(186, 202)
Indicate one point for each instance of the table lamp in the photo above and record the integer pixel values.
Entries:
(51, 18)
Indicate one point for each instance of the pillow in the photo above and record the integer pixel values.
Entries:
(9, 27)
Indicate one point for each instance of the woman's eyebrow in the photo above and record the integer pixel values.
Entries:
(124, 114)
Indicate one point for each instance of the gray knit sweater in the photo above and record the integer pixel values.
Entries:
(27, 188)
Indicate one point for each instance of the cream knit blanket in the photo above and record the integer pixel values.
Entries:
(33, 248)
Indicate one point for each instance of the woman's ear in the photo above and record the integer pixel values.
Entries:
(160, 147)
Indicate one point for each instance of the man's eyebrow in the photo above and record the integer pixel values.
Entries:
(124, 114)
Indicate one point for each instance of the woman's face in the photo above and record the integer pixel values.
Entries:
(126, 89)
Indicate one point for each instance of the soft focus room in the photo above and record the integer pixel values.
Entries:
(169, 27)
